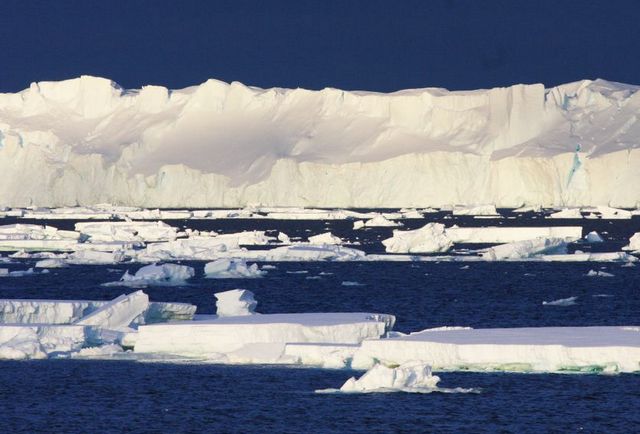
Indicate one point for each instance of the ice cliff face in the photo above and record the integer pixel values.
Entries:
(87, 141)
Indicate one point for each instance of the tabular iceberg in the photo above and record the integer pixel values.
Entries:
(86, 141)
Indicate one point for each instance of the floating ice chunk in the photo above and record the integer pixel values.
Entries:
(20, 273)
(161, 275)
(538, 349)
(229, 334)
(95, 257)
(100, 352)
(594, 273)
(593, 237)
(428, 239)
(232, 268)
(528, 208)
(118, 313)
(358, 224)
(408, 377)
(570, 301)
(381, 221)
(497, 234)
(476, 210)
(524, 249)
(609, 213)
(19, 341)
(351, 283)
(306, 252)
(634, 243)
(284, 238)
(567, 213)
(51, 263)
(127, 231)
(325, 238)
(591, 257)
(237, 302)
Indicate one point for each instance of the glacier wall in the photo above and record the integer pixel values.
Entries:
(86, 141)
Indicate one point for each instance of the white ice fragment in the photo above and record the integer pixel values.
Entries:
(524, 249)
(428, 239)
(570, 301)
(51, 263)
(535, 349)
(634, 243)
(594, 273)
(236, 302)
(408, 377)
(162, 275)
(232, 268)
(118, 313)
(325, 238)
(593, 237)
(381, 221)
(567, 213)
(609, 213)
(475, 210)
(358, 224)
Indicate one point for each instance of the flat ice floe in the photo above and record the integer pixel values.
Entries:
(569, 301)
(535, 349)
(634, 243)
(243, 339)
(431, 238)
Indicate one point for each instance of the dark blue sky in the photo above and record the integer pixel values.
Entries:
(349, 44)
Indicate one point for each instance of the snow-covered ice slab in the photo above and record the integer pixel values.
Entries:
(127, 231)
(232, 334)
(428, 239)
(525, 249)
(21, 341)
(476, 210)
(232, 269)
(118, 313)
(542, 349)
(45, 311)
(162, 275)
(236, 302)
(498, 234)
(634, 243)
(28, 311)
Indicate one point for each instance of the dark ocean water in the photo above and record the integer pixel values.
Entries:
(127, 396)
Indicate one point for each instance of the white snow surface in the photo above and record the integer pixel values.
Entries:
(86, 141)
(541, 349)
(236, 302)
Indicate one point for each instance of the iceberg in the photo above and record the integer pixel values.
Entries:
(430, 238)
(524, 249)
(227, 335)
(127, 231)
(535, 349)
(634, 243)
(325, 238)
(500, 234)
(232, 269)
(236, 302)
(476, 210)
(158, 148)
(118, 313)
(410, 377)
(156, 275)
(593, 237)
(567, 213)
